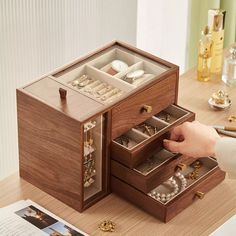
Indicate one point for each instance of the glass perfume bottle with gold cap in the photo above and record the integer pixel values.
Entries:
(216, 19)
(204, 56)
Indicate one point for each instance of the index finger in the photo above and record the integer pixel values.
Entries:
(177, 133)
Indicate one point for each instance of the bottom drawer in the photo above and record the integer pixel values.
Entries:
(166, 211)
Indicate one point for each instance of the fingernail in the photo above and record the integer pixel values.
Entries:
(165, 140)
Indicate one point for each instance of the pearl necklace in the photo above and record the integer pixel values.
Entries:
(165, 197)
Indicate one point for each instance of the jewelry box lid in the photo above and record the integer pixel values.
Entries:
(62, 98)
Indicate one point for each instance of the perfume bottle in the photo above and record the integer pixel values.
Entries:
(204, 56)
(216, 19)
(229, 68)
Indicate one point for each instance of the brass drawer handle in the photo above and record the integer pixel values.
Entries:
(147, 108)
(181, 167)
(63, 93)
(199, 194)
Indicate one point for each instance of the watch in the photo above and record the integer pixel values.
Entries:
(135, 74)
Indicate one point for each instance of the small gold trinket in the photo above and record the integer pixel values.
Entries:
(123, 140)
(168, 117)
(147, 108)
(147, 129)
(165, 116)
(199, 194)
(220, 97)
(232, 118)
(107, 226)
(181, 166)
(195, 173)
(197, 164)
(220, 100)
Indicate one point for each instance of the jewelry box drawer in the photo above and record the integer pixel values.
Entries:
(143, 105)
(166, 211)
(141, 146)
(152, 172)
(133, 157)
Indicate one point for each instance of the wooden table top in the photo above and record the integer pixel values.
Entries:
(201, 218)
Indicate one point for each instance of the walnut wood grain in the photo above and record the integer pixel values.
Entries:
(59, 98)
(201, 218)
(130, 113)
(50, 150)
(171, 70)
(50, 143)
(168, 211)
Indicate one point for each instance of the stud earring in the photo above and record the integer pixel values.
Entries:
(195, 173)
(78, 80)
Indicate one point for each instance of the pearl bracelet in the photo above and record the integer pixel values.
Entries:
(165, 197)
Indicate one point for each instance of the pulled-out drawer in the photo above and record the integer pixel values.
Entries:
(209, 176)
(135, 146)
(154, 171)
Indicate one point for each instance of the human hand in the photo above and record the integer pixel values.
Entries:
(192, 139)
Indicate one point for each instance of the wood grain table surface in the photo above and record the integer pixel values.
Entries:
(201, 218)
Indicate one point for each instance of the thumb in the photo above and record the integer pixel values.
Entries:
(173, 146)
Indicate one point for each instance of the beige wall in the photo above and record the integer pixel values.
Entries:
(162, 29)
(39, 35)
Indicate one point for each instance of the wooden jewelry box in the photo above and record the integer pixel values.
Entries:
(97, 125)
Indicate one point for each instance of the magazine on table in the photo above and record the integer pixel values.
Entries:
(30, 219)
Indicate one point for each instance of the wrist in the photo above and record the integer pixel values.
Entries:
(212, 146)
